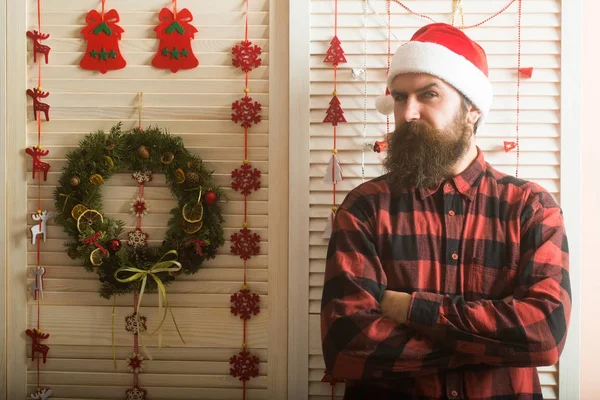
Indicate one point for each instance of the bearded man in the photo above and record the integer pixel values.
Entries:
(445, 278)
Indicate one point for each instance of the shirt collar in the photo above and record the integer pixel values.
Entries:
(466, 182)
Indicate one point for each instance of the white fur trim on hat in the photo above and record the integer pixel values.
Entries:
(456, 70)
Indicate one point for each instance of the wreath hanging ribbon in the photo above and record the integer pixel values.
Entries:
(163, 265)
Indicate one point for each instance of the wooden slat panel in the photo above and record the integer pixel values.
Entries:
(200, 327)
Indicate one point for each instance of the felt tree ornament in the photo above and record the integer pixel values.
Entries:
(335, 53)
(175, 33)
(335, 113)
(102, 35)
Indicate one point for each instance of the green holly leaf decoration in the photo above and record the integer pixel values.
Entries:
(175, 26)
(103, 27)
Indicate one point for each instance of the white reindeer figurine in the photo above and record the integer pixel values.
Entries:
(40, 228)
(42, 394)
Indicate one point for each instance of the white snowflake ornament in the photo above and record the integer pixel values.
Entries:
(131, 323)
(41, 394)
(142, 176)
(137, 238)
(135, 362)
(135, 393)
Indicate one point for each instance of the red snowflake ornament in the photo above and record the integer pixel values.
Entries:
(245, 180)
(246, 56)
(335, 53)
(245, 243)
(135, 393)
(244, 365)
(246, 112)
(245, 303)
(335, 113)
(331, 380)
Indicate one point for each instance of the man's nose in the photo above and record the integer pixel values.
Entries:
(411, 110)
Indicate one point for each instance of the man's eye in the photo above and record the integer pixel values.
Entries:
(430, 95)
(399, 98)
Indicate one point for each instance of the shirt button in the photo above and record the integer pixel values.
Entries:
(451, 213)
(448, 186)
(454, 393)
(505, 268)
(454, 256)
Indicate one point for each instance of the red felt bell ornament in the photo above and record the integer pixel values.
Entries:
(175, 33)
(102, 35)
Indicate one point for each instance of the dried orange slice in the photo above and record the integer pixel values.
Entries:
(109, 161)
(179, 175)
(192, 212)
(97, 179)
(88, 218)
(78, 210)
(96, 257)
(190, 228)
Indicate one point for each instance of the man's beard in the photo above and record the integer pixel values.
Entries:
(421, 157)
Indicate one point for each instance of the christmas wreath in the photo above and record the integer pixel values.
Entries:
(195, 229)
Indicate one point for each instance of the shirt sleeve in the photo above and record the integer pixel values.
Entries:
(529, 330)
(358, 343)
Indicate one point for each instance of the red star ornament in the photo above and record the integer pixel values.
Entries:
(246, 56)
(246, 112)
(245, 244)
(245, 179)
(245, 303)
(244, 365)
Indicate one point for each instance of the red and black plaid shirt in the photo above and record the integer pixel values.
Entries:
(462, 249)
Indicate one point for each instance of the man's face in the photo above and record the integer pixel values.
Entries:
(433, 131)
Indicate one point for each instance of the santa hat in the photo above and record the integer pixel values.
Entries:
(445, 51)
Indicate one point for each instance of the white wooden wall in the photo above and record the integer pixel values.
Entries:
(540, 127)
(196, 105)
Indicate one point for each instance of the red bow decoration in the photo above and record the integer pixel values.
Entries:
(380, 146)
(198, 244)
(508, 146)
(179, 23)
(94, 21)
(526, 72)
(94, 240)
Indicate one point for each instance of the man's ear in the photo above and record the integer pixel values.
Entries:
(473, 114)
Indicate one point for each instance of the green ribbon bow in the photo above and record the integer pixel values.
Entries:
(142, 274)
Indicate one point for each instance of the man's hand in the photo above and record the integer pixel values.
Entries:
(394, 305)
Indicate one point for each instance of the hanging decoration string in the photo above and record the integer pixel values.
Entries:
(457, 7)
(464, 27)
(245, 179)
(364, 71)
(518, 86)
(39, 351)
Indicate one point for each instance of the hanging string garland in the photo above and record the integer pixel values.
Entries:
(39, 351)
(102, 34)
(365, 94)
(246, 180)
(334, 115)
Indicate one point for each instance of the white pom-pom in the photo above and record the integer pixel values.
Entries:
(385, 104)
